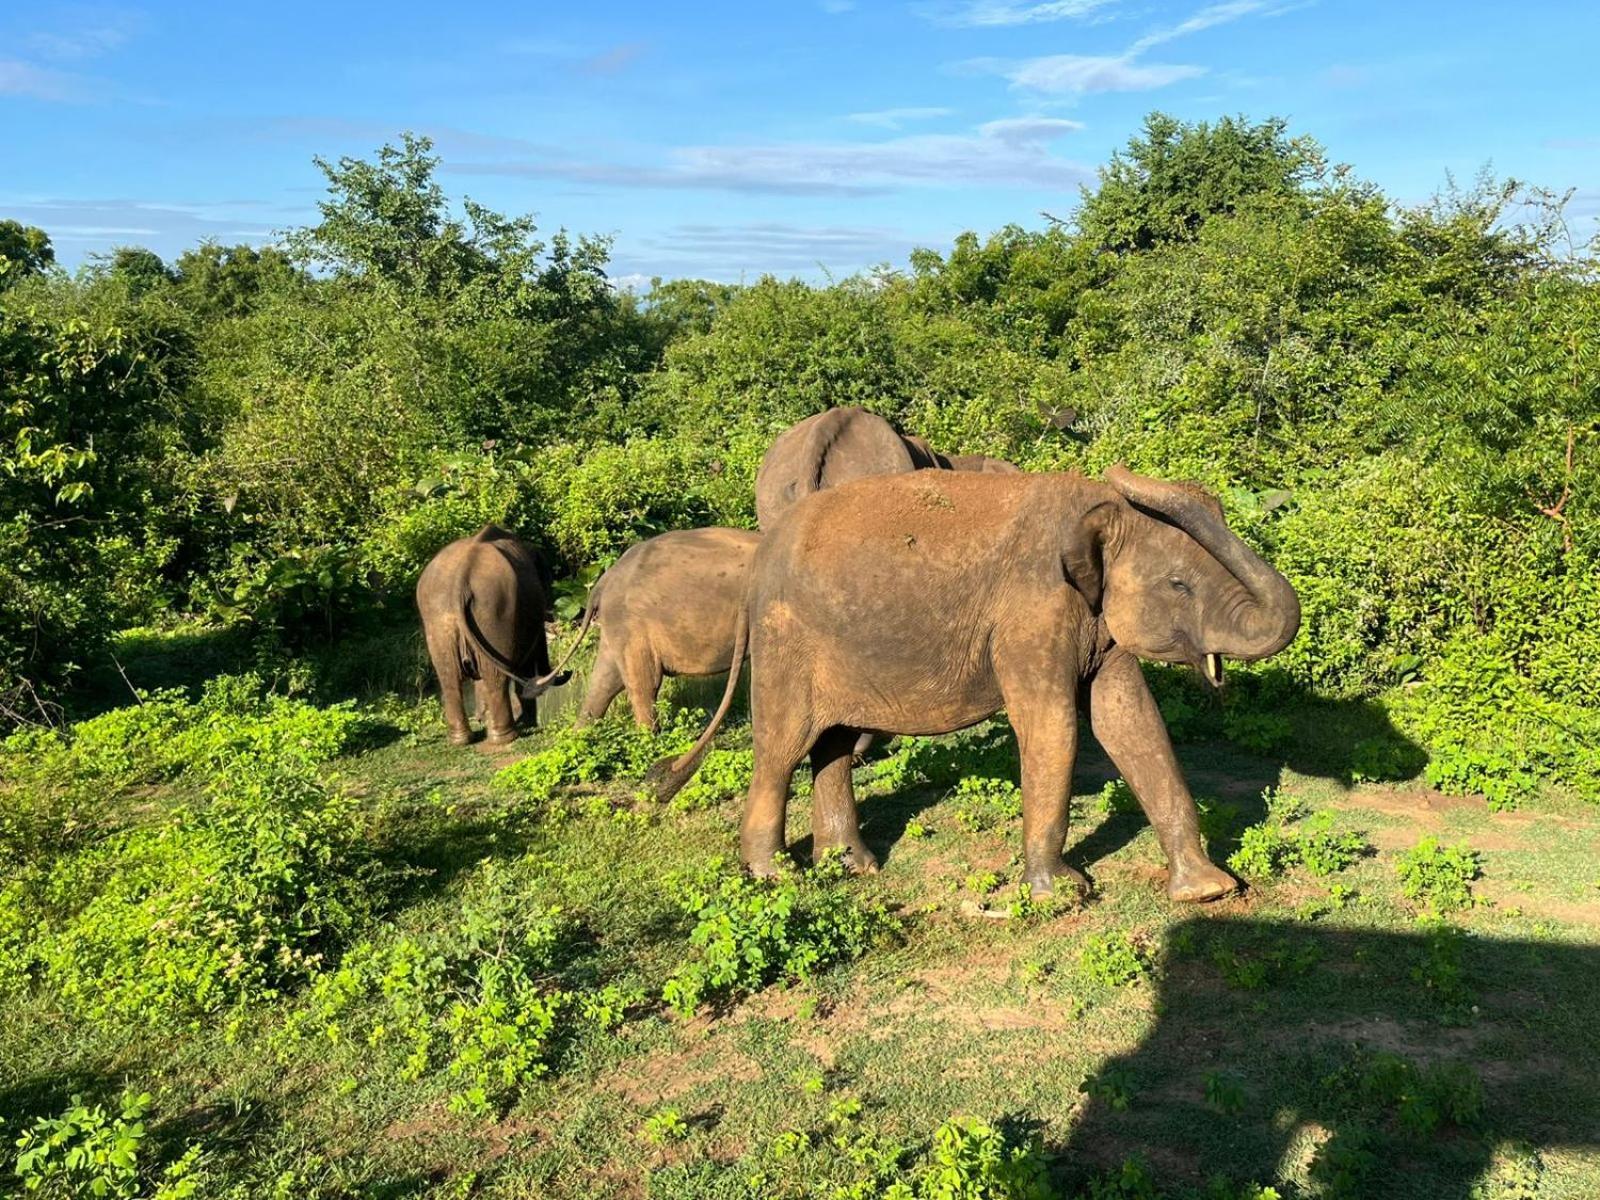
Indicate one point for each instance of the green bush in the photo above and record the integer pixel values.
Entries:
(1268, 849)
(1113, 960)
(88, 1151)
(609, 749)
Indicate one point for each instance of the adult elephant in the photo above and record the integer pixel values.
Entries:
(666, 607)
(921, 604)
(484, 601)
(831, 448)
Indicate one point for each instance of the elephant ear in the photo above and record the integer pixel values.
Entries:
(1083, 556)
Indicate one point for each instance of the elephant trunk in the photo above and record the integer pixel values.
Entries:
(1268, 616)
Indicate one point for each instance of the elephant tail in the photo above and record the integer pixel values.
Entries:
(558, 675)
(670, 774)
(480, 643)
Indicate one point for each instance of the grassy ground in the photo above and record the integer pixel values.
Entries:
(1238, 1049)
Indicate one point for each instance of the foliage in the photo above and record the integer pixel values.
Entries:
(1439, 877)
(1268, 849)
(88, 1151)
(1113, 960)
(612, 748)
(749, 933)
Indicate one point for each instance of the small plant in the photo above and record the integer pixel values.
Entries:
(972, 1160)
(1272, 847)
(612, 748)
(1225, 1093)
(665, 1126)
(1113, 960)
(1115, 798)
(1112, 1086)
(983, 803)
(87, 1151)
(1438, 877)
(723, 775)
(1441, 972)
(981, 883)
(752, 932)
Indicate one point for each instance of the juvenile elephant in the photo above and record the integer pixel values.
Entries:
(921, 604)
(831, 448)
(483, 601)
(666, 607)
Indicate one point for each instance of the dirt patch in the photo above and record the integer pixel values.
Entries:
(1424, 807)
(1568, 912)
(660, 1076)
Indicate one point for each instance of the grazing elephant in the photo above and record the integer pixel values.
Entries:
(666, 607)
(921, 604)
(981, 463)
(831, 448)
(484, 600)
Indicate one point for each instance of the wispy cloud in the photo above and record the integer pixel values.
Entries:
(1080, 74)
(24, 80)
(990, 13)
(82, 33)
(740, 251)
(612, 61)
(164, 227)
(1058, 74)
(895, 118)
(1014, 152)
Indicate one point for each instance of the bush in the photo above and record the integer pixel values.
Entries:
(609, 749)
(1113, 960)
(1270, 848)
(87, 1151)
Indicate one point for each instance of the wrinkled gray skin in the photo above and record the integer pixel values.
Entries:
(667, 607)
(831, 448)
(484, 601)
(922, 604)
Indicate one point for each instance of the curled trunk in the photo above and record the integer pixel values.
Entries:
(1269, 615)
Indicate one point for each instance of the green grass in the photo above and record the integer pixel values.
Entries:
(1293, 993)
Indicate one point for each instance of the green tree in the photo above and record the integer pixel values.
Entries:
(24, 250)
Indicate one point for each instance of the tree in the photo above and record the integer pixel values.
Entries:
(24, 250)
(1175, 175)
(140, 269)
(229, 281)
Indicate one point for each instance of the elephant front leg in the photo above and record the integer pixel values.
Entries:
(835, 823)
(1128, 724)
(1047, 738)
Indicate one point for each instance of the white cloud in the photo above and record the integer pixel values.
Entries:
(1005, 153)
(1058, 74)
(894, 118)
(22, 79)
(93, 34)
(733, 252)
(990, 13)
(168, 229)
(1215, 14)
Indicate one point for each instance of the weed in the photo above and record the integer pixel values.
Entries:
(1272, 847)
(666, 1125)
(1113, 960)
(1438, 877)
(1224, 1092)
(87, 1151)
(983, 803)
(1112, 1086)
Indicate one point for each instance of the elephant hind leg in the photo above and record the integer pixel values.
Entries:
(446, 659)
(835, 823)
(641, 672)
(605, 685)
(782, 736)
(494, 698)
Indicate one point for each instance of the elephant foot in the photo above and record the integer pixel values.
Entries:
(1042, 880)
(761, 859)
(499, 737)
(1195, 882)
(458, 737)
(857, 859)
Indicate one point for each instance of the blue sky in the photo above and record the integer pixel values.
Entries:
(730, 139)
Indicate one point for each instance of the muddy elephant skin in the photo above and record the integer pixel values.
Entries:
(483, 602)
(667, 607)
(1039, 591)
(831, 448)
(981, 463)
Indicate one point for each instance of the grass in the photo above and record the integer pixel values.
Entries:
(1285, 993)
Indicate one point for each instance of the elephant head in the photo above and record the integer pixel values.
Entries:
(1179, 586)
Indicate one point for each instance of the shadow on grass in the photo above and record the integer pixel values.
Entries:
(1374, 1064)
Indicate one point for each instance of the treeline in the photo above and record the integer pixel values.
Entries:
(1400, 406)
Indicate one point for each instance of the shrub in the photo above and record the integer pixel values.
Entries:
(1268, 849)
(982, 803)
(749, 933)
(608, 749)
(723, 775)
(1438, 877)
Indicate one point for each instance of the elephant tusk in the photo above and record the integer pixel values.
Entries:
(1213, 669)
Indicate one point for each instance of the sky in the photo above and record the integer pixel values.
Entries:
(726, 140)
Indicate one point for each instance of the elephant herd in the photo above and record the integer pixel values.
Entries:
(894, 590)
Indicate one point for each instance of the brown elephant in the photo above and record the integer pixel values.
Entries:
(484, 600)
(831, 448)
(666, 607)
(921, 604)
(981, 463)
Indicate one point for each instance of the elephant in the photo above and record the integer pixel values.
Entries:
(981, 462)
(668, 606)
(484, 601)
(831, 448)
(924, 603)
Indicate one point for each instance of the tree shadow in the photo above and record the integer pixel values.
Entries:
(1369, 1063)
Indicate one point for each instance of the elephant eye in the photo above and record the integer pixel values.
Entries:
(1179, 585)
